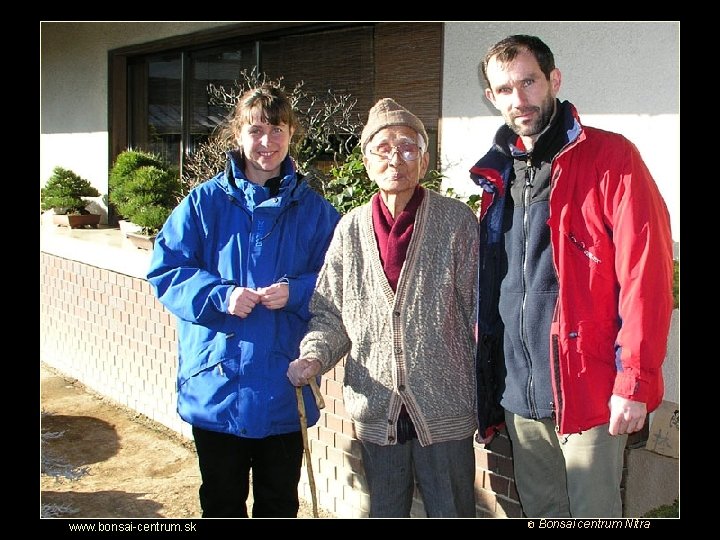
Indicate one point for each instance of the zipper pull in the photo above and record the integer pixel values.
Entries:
(553, 415)
(529, 172)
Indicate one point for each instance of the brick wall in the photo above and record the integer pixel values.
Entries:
(107, 330)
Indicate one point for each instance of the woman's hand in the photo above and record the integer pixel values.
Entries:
(275, 296)
(242, 301)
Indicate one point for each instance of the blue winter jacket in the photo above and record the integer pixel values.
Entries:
(230, 232)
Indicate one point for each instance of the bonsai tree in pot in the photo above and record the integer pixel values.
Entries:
(144, 189)
(63, 193)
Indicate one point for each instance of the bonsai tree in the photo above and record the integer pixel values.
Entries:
(64, 192)
(144, 189)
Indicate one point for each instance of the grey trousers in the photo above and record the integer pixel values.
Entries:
(444, 472)
(575, 475)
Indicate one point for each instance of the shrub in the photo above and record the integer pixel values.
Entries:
(144, 189)
(64, 192)
(349, 185)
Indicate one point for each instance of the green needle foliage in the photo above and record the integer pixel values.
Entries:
(144, 189)
(64, 192)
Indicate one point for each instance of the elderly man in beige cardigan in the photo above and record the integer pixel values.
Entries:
(396, 298)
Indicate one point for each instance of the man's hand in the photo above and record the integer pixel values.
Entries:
(275, 296)
(626, 415)
(300, 371)
(242, 301)
(484, 440)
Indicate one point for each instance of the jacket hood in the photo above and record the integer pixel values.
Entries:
(284, 189)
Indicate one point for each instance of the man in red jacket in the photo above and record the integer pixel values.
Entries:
(575, 289)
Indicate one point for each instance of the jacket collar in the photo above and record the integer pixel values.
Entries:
(279, 191)
(491, 171)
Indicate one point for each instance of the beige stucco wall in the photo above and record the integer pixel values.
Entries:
(74, 96)
(622, 76)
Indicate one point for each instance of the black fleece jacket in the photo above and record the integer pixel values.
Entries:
(529, 285)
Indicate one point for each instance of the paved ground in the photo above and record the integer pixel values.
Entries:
(99, 459)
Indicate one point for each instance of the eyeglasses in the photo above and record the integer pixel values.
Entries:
(407, 151)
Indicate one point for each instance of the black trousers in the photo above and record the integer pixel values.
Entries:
(225, 465)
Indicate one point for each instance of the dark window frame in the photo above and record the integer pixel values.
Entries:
(231, 35)
(118, 59)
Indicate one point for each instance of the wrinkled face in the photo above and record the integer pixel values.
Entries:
(522, 93)
(397, 174)
(265, 146)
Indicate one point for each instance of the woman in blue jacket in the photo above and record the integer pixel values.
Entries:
(236, 263)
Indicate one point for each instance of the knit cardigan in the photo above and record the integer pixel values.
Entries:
(415, 346)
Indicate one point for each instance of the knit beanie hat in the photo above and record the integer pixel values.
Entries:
(388, 112)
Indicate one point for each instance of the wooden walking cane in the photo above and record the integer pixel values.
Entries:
(320, 402)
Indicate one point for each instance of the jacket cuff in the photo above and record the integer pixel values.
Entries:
(488, 435)
(628, 384)
(292, 302)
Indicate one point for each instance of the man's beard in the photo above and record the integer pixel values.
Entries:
(546, 111)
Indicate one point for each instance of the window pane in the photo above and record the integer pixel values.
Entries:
(171, 112)
(155, 98)
(222, 68)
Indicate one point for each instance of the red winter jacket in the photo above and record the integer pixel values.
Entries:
(612, 251)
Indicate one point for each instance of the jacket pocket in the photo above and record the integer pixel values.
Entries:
(595, 342)
(209, 397)
(592, 373)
